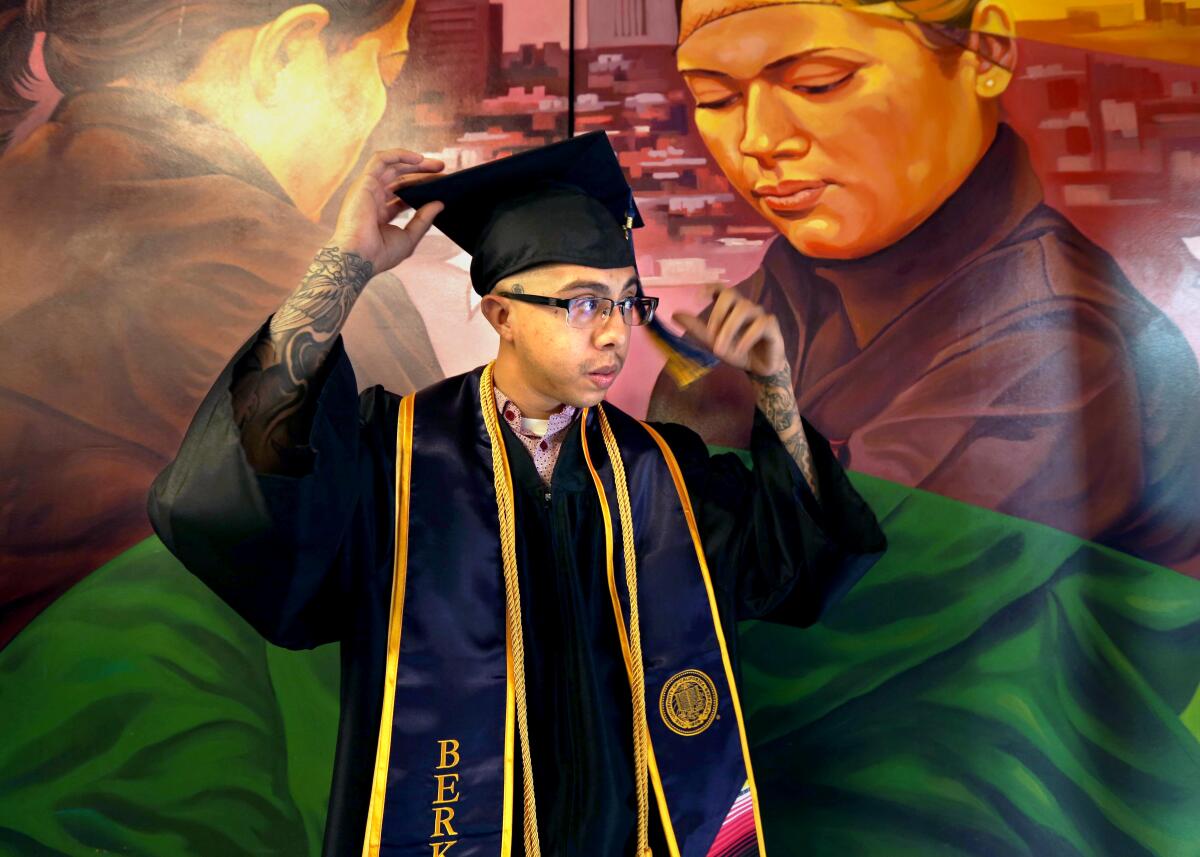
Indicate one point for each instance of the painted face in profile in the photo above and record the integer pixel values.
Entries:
(341, 94)
(845, 130)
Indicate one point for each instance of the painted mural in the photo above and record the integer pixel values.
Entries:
(978, 221)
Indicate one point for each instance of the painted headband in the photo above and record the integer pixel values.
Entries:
(923, 11)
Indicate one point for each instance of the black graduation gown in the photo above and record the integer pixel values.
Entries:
(306, 558)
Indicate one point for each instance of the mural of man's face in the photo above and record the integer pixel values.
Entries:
(358, 75)
(844, 130)
(303, 100)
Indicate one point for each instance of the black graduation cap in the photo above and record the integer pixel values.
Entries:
(567, 202)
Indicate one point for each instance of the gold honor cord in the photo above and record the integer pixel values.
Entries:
(637, 677)
(512, 597)
(622, 635)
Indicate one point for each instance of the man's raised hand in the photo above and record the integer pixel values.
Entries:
(747, 337)
(273, 380)
(364, 224)
(739, 332)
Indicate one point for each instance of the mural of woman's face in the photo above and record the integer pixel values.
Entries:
(843, 129)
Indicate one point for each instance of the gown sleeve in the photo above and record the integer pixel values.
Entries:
(282, 550)
(774, 552)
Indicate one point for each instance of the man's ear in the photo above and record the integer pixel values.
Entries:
(280, 41)
(993, 43)
(496, 310)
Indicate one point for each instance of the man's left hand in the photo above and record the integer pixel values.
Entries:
(739, 332)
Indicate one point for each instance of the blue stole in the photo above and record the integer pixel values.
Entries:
(443, 779)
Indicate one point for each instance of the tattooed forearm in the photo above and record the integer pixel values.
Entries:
(797, 446)
(777, 401)
(271, 384)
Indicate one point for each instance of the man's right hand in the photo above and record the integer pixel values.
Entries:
(364, 221)
(272, 382)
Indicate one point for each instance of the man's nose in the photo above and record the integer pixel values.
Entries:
(613, 331)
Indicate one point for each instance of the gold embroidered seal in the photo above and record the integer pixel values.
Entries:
(688, 702)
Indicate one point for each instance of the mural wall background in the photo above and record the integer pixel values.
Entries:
(1012, 378)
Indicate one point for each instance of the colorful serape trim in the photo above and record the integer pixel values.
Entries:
(737, 837)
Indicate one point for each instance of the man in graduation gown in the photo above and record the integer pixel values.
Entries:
(535, 594)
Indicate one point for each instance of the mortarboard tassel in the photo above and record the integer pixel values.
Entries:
(686, 361)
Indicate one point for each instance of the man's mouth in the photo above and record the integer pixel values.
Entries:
(604, 376)
(791, 197)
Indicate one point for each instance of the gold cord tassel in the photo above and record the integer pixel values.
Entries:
(637, 678)
(512, 600)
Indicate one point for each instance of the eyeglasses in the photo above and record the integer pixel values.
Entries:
(588, 311)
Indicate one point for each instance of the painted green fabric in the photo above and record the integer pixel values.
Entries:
(992, 687)
(140, 715)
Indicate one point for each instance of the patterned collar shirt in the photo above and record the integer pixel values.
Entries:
(543, 438)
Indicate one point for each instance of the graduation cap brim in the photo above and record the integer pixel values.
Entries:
(473, 196)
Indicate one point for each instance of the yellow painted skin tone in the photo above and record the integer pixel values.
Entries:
(302, 102)
(858, 105)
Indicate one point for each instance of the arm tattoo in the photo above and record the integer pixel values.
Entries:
(271, 385)
(777, 400)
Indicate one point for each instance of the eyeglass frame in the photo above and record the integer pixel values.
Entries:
(565, 303)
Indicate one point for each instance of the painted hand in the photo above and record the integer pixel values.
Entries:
(739, 332)
(364, 223)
